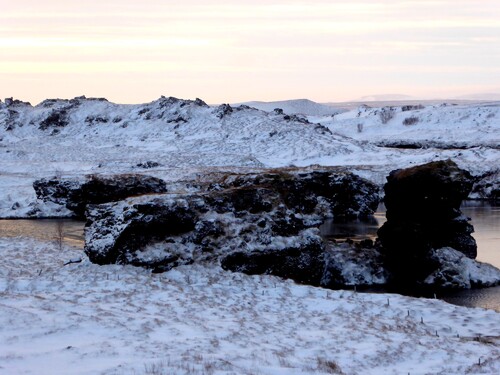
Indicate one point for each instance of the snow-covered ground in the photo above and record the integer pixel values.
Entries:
(434, 125)
(88, 319)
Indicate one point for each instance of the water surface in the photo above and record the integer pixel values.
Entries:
(70, 231)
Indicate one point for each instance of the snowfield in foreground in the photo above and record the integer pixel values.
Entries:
(88, 319)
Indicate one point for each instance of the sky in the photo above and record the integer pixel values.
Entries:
(132, 51)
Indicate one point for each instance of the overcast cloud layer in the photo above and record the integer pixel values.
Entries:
(229, 51)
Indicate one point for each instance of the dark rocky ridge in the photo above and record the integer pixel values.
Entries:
(346, 195)
(76, 194)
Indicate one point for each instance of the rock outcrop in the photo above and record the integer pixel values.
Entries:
(423, 214)
(267, 223)
(77, 194)
(487, 186)
(453, 270)
(333, 192)
(256, 223)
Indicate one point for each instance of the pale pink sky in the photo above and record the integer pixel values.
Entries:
(230, 51)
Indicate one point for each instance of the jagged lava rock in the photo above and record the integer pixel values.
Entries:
(338, 193)
(76, 194)
(487, 186)
(423, 214)
(436, 188)
(455, 270)
(160, 232)
(250, 223)
(423, 208)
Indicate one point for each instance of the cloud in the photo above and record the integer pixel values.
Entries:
(288, 43)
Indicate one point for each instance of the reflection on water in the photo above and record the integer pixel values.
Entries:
(485, 217)
(354, 229)
(46, 229)
(488, 298)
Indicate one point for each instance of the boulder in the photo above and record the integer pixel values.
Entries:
(163, 231)
(454, 270)
(255, 223)
(423, 214)
(76, 194)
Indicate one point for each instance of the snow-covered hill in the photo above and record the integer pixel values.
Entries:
(442, 126)
(82, 136)
(172, 139)
(296, 107)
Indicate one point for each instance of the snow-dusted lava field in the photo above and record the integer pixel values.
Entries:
(186, 138)
(88, 319)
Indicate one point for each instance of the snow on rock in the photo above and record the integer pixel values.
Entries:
(244, 219)
(455, 270)
(487, 186)
(354, 265)
(76, 194)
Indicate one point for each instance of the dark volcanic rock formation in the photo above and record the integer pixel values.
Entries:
(342, 195)
(76, 194)
(487, 186)
(267, 223)
(423, 214)
(163, 231)
(257, 223)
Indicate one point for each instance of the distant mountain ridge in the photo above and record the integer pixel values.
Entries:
(295, 107)
(384, 97)
(480, 96)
